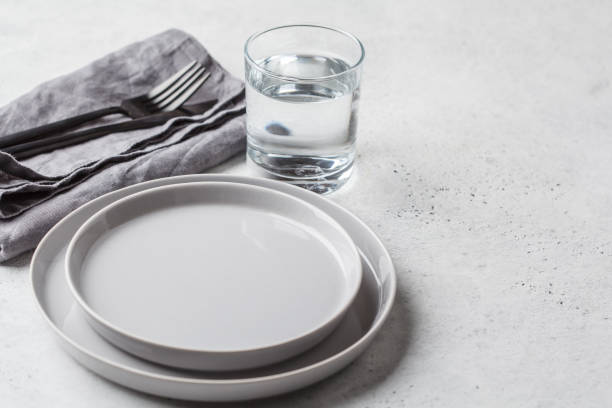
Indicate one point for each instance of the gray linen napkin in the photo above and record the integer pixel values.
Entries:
(38, 192)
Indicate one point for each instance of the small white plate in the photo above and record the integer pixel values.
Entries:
(213, 276)
(359, 327)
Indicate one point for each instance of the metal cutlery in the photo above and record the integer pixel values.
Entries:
(35, 147)
(166, 97)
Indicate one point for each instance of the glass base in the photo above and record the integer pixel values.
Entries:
(322, 175)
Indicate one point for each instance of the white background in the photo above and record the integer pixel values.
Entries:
(485, 165)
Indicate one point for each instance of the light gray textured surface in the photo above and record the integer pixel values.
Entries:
(485, 163)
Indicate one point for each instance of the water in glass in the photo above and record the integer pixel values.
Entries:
(299, 129)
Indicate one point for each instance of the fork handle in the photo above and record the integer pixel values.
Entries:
(43, 131)
(32, 148)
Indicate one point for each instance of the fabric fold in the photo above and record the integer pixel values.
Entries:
(38, 192)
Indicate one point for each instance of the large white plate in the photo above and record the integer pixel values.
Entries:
(212, 275)
(359, 326)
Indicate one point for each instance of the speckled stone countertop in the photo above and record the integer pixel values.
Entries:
(485, 165)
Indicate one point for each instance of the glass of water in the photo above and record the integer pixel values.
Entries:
(302, 92)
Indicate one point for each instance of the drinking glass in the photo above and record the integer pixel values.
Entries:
(302, 92)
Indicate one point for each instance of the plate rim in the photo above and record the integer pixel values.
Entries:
(341, 309)
(384, 313)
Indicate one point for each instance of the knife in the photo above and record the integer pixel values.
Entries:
(32, 148)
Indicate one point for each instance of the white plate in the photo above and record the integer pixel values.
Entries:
(212, 275)
(359, 326)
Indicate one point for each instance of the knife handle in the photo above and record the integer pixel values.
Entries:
(54, 127)
(34, 147)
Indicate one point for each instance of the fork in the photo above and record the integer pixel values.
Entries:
(35, 147)
(165, 97)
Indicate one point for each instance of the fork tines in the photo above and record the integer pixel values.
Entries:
(172, 93)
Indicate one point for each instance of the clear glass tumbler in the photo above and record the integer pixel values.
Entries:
(302, 92)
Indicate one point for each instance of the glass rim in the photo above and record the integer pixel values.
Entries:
(294, 78)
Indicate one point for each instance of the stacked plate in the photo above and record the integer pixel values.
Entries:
(213, 287)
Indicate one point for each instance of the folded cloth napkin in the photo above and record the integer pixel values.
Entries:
(36, 193)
